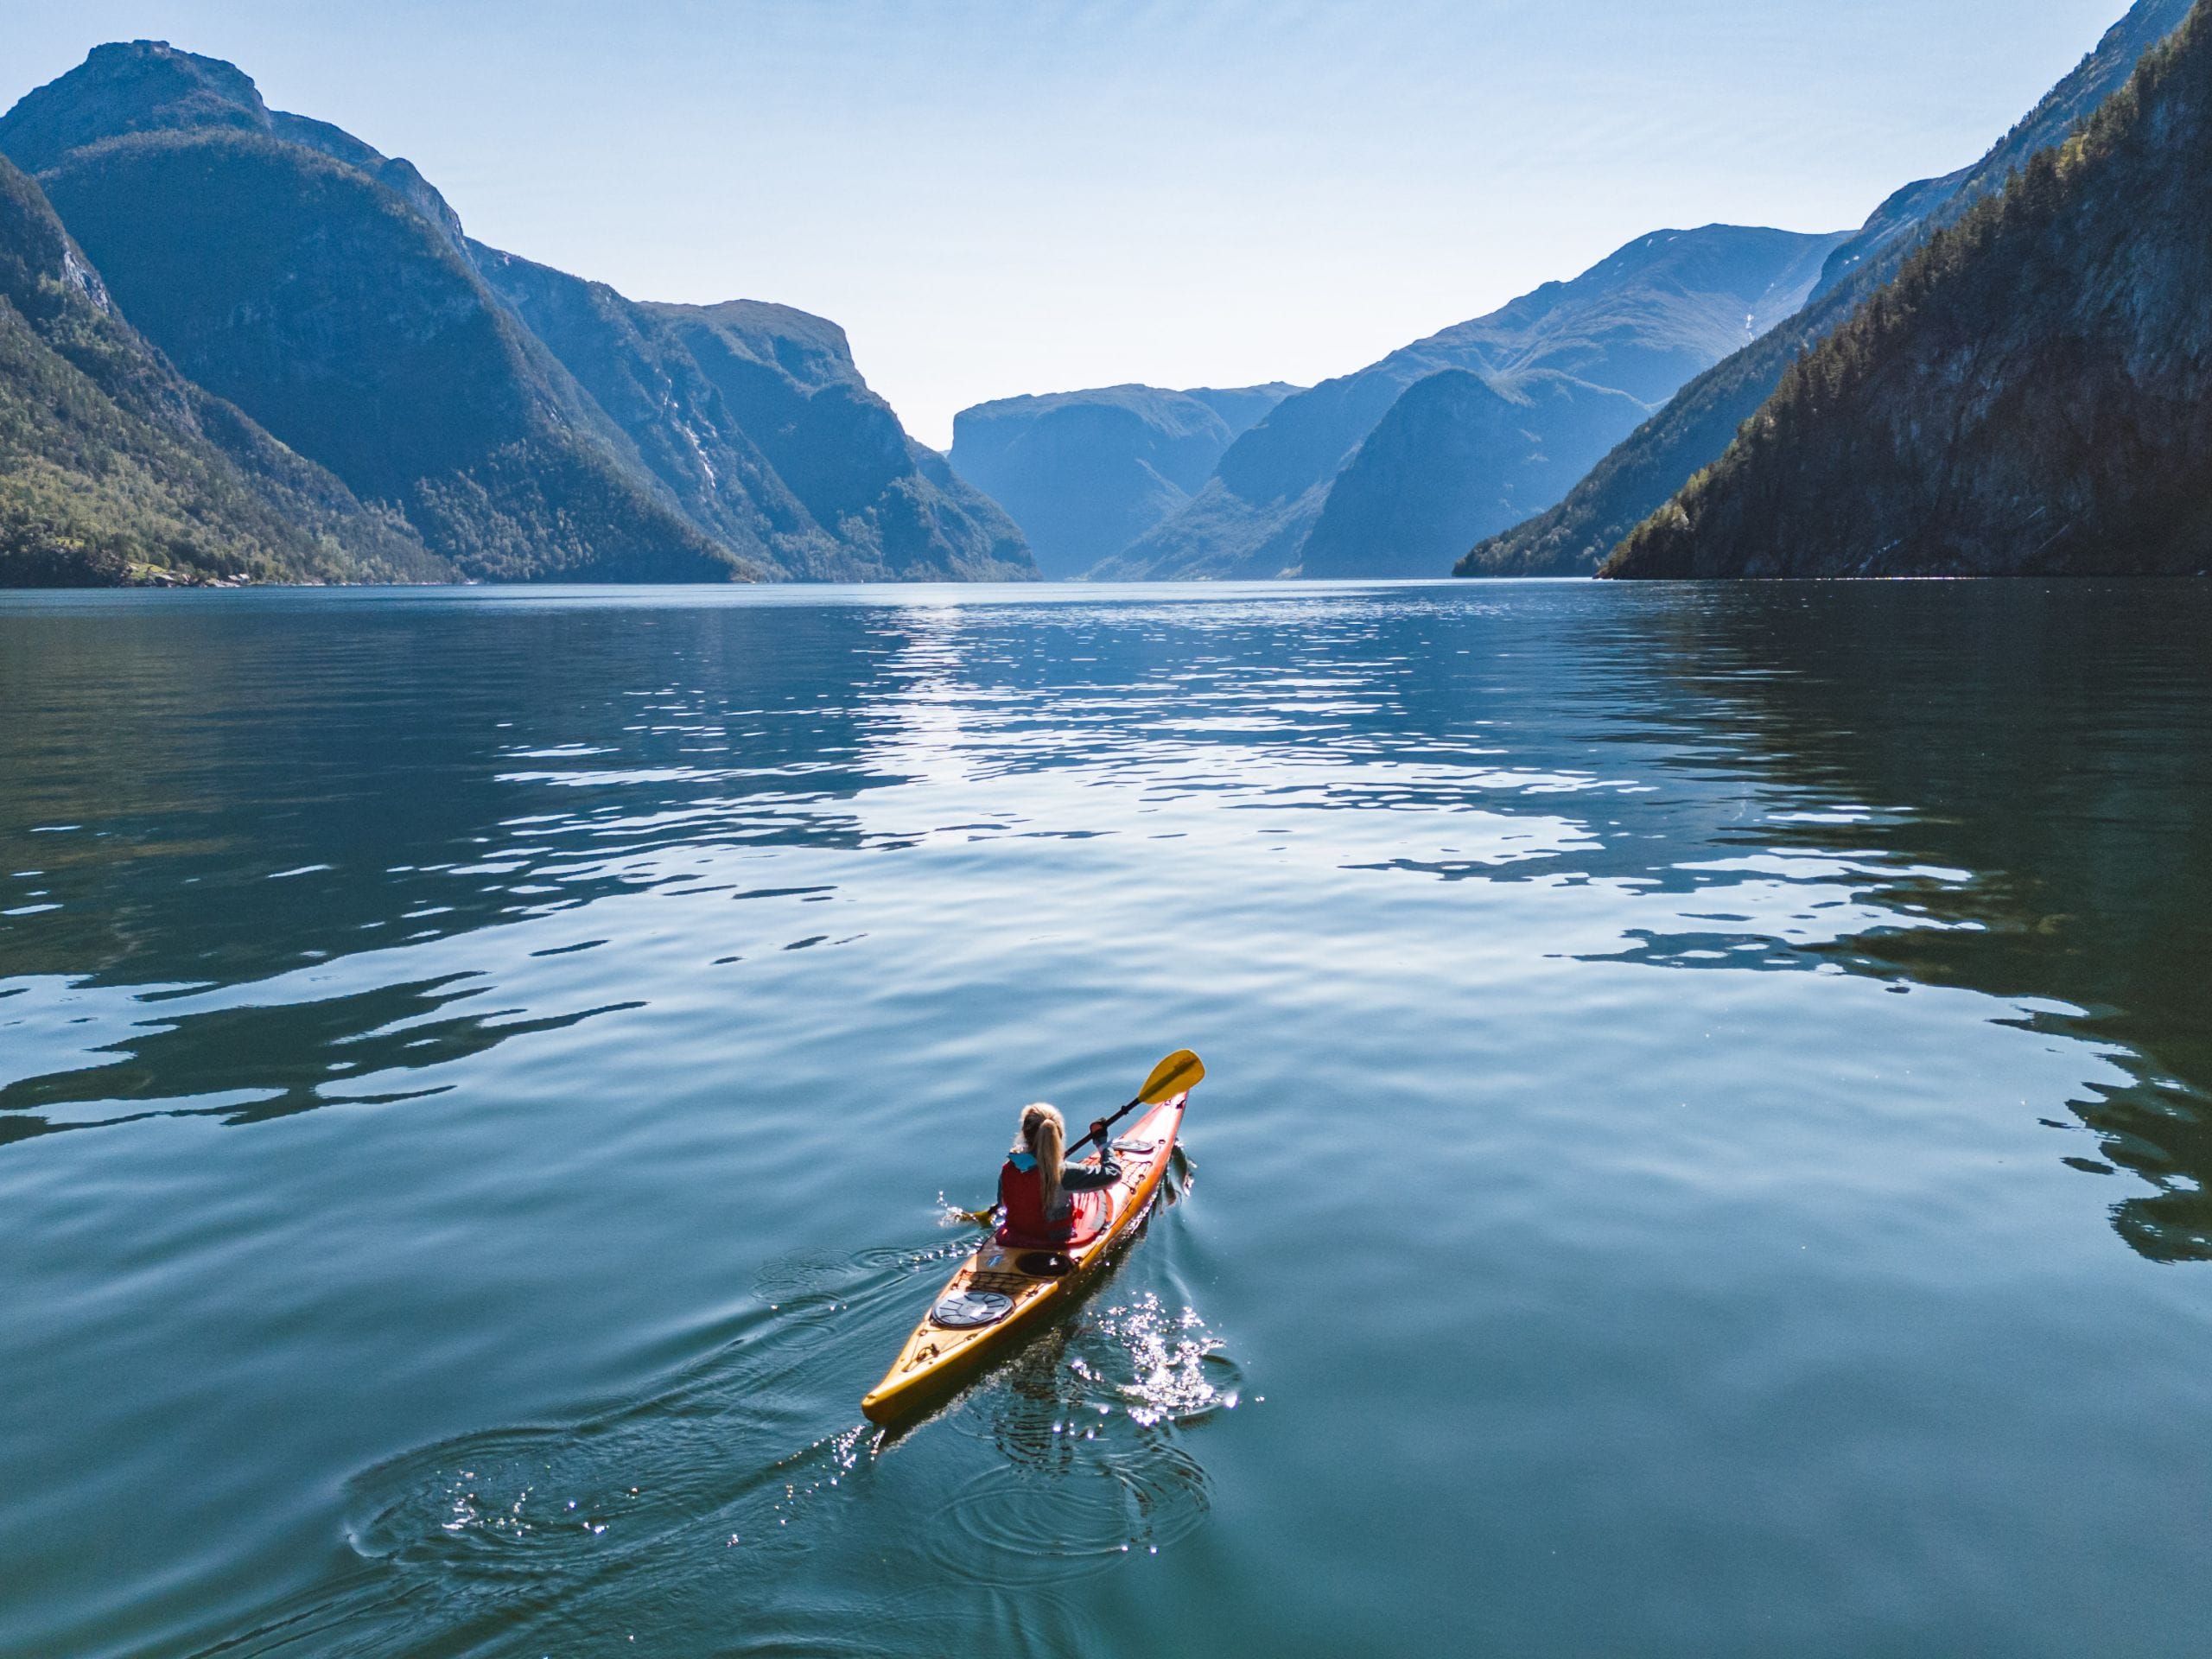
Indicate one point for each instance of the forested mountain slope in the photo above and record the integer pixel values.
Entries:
(1573, 537)
(332, 309)
(2032, 394)
(114, 466)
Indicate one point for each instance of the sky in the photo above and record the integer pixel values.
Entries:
(1004, 196)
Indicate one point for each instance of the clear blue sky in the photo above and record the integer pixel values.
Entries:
(1025, 195)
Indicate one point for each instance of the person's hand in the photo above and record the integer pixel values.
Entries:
(1098, 1132)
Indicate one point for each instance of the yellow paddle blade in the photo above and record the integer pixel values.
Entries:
(1179, 1073)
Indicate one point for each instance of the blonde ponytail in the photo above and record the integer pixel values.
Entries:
(1044, 1136)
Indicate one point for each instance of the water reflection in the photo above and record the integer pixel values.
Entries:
(636, 941)
(2002, 791)
(218, 795)
(2033, 766)
(247, 1063)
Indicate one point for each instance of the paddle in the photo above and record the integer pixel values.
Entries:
(1177, 1074)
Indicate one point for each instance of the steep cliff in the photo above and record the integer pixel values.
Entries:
(2032, 394)
(833, 489)
(895, 506)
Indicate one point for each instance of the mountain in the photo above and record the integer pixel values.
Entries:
(109, 460)
(340, 320)
(2032, 394)
(529, 425)
(1457, 453)
(671, 416)
(833, 490)
(1651, 463)
(893, 504)
(1638, 322)
(1084, 474)
(326, 305)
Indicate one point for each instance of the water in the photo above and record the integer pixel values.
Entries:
(1705, 1154)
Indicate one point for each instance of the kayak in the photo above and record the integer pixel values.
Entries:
(1004, 1293)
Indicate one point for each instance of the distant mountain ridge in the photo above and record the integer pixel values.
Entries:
(1635, 325)
(1084, 474)
(2032, 394)
(112, 466)
(1456, 451)
(528, 424)
(1573, 537)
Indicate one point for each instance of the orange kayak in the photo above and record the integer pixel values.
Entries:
(1004, 1293)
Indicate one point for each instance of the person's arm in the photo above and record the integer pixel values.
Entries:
(1082, 1178)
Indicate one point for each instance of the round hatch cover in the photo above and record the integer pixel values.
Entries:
(1134, 1143)
(961, 1308)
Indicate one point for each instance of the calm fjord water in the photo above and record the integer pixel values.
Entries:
(1706, 1150)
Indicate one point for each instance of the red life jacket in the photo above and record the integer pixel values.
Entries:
(1021, 1193)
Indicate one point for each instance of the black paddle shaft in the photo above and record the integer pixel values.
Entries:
(1091, 1135)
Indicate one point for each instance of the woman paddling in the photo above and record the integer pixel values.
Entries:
(1004, 1289)
(1047, 1202)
